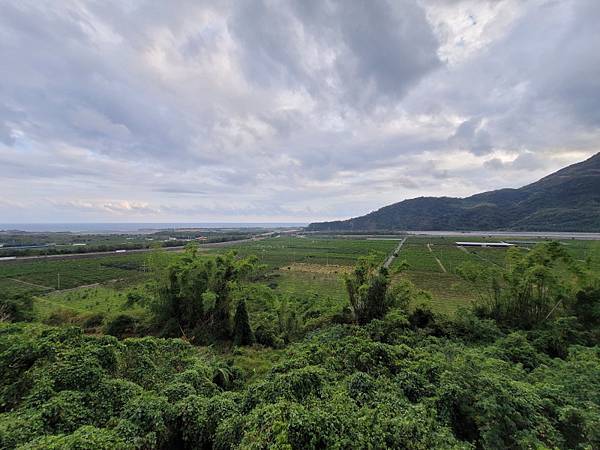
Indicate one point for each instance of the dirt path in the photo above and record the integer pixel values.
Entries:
(388, 261)
(83, 286)
(30, 284)
(436, 258)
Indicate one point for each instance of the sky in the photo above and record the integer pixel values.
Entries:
(299, 110)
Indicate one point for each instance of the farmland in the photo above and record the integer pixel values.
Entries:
(283, 251)
(71, 273)
(301, 268)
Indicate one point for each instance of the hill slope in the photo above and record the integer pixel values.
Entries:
(567, 200)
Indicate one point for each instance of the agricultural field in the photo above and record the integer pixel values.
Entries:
(433, 263)
(58, 274)
(306, 270)
(312, 286)
(284, 251)
(584, 251)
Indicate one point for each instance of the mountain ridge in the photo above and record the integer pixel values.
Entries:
(566, 200)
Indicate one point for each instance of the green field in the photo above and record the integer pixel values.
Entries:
(57, 274)
(283, 251)
(307, 270)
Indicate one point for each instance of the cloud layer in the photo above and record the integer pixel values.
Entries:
(273, 110)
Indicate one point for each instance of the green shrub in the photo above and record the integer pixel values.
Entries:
(93, 321)
(178, 391)
(266, 335)
(17, 308)
(242, 332)
(121, 326)
(63, 317)
(147, 420)
(85, 438)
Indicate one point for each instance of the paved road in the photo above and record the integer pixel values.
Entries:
(388, 261)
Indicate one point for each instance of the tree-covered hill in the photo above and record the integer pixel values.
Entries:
(567, 200)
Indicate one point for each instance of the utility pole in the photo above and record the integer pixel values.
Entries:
(58, 281)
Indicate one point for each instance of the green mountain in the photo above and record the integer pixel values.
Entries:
(567, 200)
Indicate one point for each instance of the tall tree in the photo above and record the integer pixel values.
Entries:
(194, 293)
(369, 292)
(242, 332)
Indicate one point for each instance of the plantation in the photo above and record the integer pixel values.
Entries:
(283, 251)
(70, 273)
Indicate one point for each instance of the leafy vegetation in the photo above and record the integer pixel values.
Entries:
(368, 366)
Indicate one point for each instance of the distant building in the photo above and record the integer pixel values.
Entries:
(485, 244)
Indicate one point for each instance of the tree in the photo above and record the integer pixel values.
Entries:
(242, 332)
(194, 293)
(533, 287)
(369, 292)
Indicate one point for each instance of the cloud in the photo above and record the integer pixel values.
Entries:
(292, 109)
(471, 135)
(360, 53)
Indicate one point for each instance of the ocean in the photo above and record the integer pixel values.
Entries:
(130, 227)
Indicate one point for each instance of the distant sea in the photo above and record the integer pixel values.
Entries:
(134, 227)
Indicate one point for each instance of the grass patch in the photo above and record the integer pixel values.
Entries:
(86, 301)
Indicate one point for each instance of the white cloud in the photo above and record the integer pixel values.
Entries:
(286, 109)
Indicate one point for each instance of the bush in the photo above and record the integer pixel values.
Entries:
(242, 332)
(146, 420)
(93, 321)
(422, 317)
(135, 298)
(265, 335)
(198, 418)
(178, 391)
(63, 317)
(17, 308)
(86, 437)
(121, 326)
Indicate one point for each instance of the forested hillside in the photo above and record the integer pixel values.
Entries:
(568, 200)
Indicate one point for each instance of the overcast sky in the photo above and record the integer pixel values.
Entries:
(143, 110)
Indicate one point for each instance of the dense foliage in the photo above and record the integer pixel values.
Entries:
(502, 375)
(194, 295)
(370, 293)
(15, 308)
(388, 384)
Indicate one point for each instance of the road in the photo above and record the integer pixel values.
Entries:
(388, 261)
